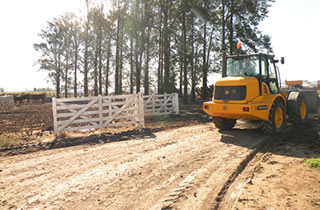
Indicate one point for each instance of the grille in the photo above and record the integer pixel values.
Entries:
(230, 92)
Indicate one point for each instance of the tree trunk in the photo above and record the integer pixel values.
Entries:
(66, 76)
(185, 67)
(193, 79)
(117, 71)
(75, 70)
(121, 64)
(160, 62)
(85, 70)
(100, 58)
(166, 49)
(204, 66)
(138, 70)
(108, 67)
(231, 27)
(223, 46)
(95, 89)
(131, 66)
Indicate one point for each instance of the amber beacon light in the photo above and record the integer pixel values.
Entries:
(239, 45)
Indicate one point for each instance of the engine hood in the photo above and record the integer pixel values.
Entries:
(251, 88)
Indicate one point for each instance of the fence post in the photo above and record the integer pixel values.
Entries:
(100, 111)
(141, 110)
(176, 103)
(54, 109)
(153, 103)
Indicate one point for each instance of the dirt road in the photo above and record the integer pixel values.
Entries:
(184, 168)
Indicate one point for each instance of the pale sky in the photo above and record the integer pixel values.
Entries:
(293, 25)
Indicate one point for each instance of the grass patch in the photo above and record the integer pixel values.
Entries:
(8, 142)
(158, 117)
(313, 163)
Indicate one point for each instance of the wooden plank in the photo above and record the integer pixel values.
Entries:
(78, 114)
(141, 108)
(88, 120)
(100, 111)
(120, 117)
(83, 115)
(176, 103)
(61, 115)
(159, 105)
(61, 100)
(80, 106)
(118, 112)
(117, 97)
(113, 111)
(74, 106)
(54, 110)
(170, 97)
(149, 98)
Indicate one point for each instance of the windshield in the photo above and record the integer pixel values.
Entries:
(246, 66)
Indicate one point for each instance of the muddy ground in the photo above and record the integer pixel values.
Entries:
(176, 162)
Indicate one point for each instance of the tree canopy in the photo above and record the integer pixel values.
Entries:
(150, 46)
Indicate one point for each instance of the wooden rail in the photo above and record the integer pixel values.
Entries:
(161, 104)
(78, 114)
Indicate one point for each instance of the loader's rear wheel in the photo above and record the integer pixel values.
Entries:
(299, 114)
(277, 119)
(223, 123)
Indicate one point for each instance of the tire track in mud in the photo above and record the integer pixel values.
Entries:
(183, 168)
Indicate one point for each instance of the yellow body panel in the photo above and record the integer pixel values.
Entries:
(253, 107)
(239, 81)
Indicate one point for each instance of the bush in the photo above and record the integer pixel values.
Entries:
(313, 163)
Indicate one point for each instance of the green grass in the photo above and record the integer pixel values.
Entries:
(313, 163)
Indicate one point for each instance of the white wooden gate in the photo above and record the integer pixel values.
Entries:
(161, 104)
(97, 112)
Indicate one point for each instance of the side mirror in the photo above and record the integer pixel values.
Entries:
(282, 60)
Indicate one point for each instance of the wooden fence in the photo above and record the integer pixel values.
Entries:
(97, 112)
(161, 104)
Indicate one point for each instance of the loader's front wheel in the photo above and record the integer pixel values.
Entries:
(223, 123)
(277, 119)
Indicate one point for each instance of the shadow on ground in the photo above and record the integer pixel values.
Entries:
(189, 115)
(302, 141)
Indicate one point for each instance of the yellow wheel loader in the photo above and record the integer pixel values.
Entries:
(250, 90)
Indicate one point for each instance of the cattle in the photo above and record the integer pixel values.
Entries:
(6, 103)
(29, 98)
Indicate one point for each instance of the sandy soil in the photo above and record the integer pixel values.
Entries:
(177, 163)
(181, 168)
(277, 177)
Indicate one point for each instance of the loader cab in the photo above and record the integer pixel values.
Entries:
(261, 66)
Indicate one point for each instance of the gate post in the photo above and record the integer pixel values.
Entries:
(141, 110)
(100, 111)
(54, 109)
(176, 103)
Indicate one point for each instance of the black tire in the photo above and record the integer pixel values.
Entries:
(223, 123)
(297, 114)
(271, 127)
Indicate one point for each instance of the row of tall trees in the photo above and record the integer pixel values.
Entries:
(154, 46)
